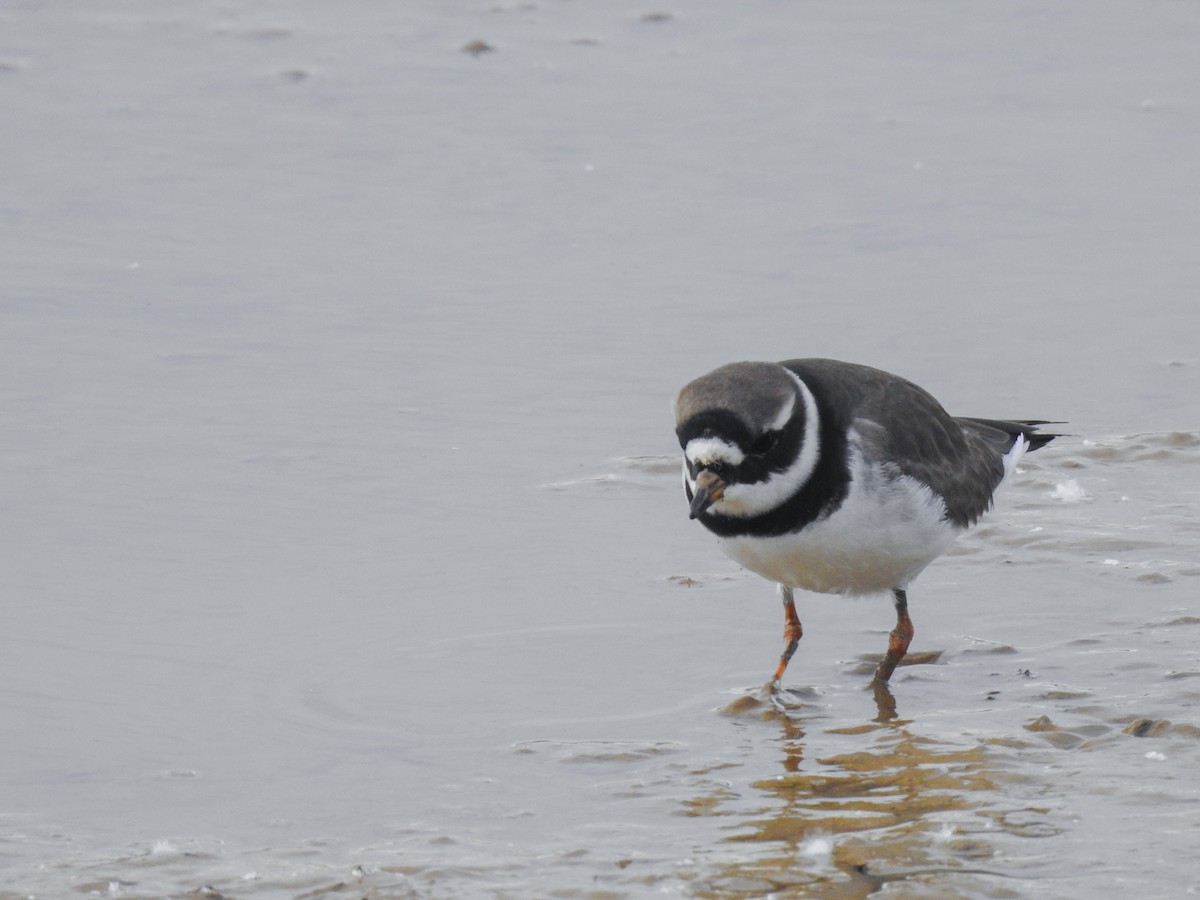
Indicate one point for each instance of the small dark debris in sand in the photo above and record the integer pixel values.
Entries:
(262, 33)
(1184, 620)
(1052, 734)
(1144, 727)
(478, 48)
(1153, 578)
(1063, 694)
(657, 17)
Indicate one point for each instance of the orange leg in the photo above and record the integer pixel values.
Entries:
(899, 639)
(792, 632)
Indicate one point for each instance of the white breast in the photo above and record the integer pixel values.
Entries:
(887, 530)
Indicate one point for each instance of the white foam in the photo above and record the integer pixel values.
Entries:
(818, 847)
(945, 832)
(1069, 491)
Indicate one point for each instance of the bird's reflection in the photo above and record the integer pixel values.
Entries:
(888, 805)
(885, 702)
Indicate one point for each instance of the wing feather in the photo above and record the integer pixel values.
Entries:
(899, 423)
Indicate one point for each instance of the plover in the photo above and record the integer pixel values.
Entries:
(838, 478)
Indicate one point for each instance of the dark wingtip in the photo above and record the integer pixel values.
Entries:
(1027, 428)
(1037, 439)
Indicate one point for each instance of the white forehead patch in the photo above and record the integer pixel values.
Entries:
(704, 451)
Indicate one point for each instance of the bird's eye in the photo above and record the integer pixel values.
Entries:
(765, 444)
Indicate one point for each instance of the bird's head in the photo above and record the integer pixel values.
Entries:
(749, 439)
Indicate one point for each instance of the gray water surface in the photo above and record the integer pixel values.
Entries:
(343, 550)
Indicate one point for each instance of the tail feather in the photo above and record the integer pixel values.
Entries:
(1004, 433)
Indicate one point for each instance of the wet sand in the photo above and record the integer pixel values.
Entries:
(343, 548)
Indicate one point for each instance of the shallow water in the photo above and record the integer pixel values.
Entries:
(343, 548)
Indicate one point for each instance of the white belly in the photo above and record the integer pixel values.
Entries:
(883, 535)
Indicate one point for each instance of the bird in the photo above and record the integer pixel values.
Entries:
(837, 478)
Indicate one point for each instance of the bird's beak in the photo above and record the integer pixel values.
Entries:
(709, 489)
